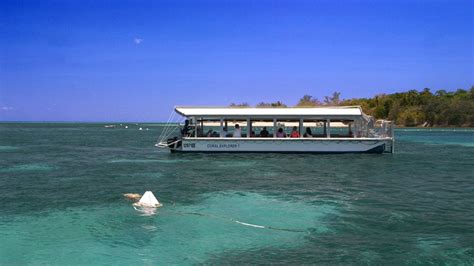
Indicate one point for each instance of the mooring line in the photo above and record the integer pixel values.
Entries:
(251, 225)
(242, 223)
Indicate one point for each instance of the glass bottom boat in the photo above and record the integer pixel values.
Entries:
(284, 130)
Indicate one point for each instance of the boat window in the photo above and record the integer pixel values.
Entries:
(342, 129)
(262, 128)
(207, 128)
(310, 128)
(234, 126)
(314, 128)
(286, 127)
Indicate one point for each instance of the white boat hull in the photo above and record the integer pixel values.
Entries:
(300, 145)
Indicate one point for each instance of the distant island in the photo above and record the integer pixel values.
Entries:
(410, 109)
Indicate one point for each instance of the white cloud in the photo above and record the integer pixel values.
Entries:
(137, 40)
(6, 108)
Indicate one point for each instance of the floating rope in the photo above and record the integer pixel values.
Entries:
(247, 224)
(242, 223)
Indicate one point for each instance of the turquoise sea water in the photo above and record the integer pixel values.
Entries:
(61, 189)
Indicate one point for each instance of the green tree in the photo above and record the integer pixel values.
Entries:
(333, 100)
(411, 108)
(239, 105)
(275, 104)
(308, 100)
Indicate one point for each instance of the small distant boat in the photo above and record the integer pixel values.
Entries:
(289, 130)
(109, 126)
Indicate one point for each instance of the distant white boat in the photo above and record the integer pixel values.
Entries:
(109, 126)
(288, 130)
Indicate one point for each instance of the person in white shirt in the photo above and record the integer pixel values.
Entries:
(223, 132)
(237, 131)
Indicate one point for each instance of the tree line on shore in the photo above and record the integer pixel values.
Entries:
(412, 108)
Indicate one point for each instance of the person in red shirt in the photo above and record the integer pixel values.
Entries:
(295, 133)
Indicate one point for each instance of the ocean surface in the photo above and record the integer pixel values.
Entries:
(61, 201)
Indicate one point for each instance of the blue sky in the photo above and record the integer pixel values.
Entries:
(134, 60)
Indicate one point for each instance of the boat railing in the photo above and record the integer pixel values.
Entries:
(382, 129)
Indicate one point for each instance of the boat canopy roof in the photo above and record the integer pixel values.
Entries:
(340, 112)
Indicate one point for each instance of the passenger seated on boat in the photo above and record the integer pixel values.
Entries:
(209, 133)
(308, 133)
(214, 134)
(295, 133)
(237, 131)
(223, 132)
(280, 133)
(252, 134)
(264, 133)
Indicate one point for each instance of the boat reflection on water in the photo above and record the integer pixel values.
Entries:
(146, 211)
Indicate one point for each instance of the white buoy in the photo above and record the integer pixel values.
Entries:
(140, 129)
(126, 126)
(148, 200)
